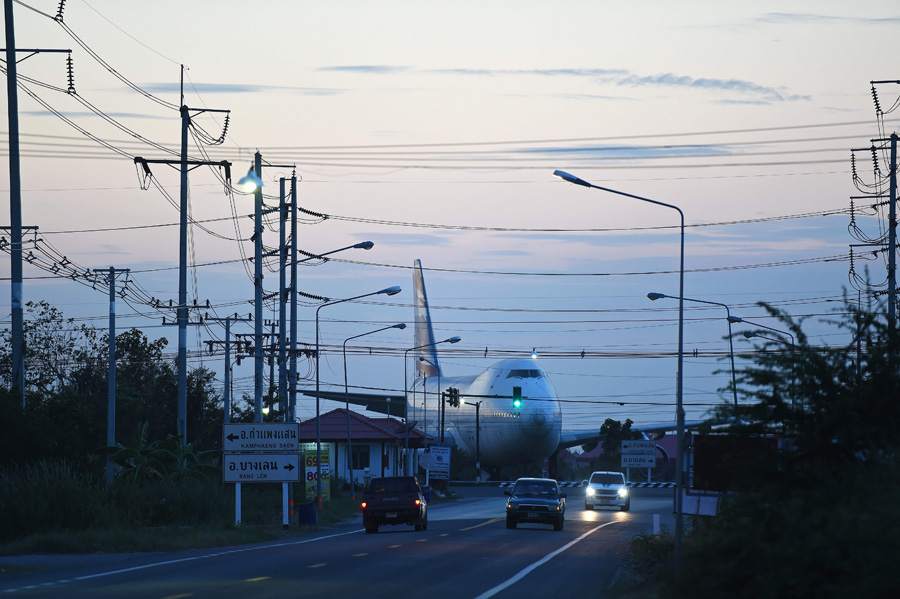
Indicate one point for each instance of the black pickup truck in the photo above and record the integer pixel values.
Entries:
(394, 500)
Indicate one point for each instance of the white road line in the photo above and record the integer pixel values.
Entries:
(188, 559)
(523, 573)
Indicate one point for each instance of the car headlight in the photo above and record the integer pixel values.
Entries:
(512, 506)
(623, 492)
(589, 491)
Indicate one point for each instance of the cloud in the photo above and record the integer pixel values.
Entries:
(376, 69)
(751, 92)
(242, 88)
(526, 72)
(705, 83)
(794, 18)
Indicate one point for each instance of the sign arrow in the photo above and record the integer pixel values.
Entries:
(289, 467)
(232, 437)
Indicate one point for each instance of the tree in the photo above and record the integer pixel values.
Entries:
(827, 497)
(612, 433)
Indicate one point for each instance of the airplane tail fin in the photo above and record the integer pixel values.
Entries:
(424, 332)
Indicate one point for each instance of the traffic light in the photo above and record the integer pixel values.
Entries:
(517, 397)
(454, 397)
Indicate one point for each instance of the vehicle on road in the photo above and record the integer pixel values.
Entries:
(536, 500)
(607, 489)
(394, 500)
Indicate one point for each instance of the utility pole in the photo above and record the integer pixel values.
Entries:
(15, 202)
(292, 298)
(111, 396)
(892, 244)
(227, 343)
(182, 318)
(256, 170)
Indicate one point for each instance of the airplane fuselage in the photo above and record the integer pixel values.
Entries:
(506, 435)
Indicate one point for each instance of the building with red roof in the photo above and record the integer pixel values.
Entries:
(378, 443)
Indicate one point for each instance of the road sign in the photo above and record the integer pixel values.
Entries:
(638, 454)
(271, 436)
(261, 468)
(440, 469)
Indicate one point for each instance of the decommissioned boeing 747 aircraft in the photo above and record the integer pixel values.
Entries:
(519, 413)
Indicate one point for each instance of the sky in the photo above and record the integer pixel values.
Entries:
(433, 130)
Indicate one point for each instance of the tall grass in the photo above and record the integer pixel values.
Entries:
(49, 496)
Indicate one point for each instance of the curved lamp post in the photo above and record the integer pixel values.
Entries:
(656, 296)
(679, 411)
(347, 400)
(388, 291)
(750, 334)
(407, 465)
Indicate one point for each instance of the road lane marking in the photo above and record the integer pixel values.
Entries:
(258, 579)
(525, 572)
(422, 541)
(182, 596)
(491, 521)
(317, 566)
(187, 559)
(361, 555)
(394, 546)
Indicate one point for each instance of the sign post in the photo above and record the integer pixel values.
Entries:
(638, 454)
(260, 453)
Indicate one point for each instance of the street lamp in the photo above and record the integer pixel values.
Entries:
(252, 183)
(363, 245)
(407, 465)
(291, 377)
(388, 291)
(656, 296)
(347, 399)
(750, 334)
(679, 411)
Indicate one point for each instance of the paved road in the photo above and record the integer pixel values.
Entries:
(466, 552)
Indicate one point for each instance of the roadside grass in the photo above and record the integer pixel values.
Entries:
(258, 526)
(53, 508)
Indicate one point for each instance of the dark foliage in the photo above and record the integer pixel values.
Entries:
(817, 519)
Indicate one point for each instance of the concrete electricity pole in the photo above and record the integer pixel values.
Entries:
(111, 396)
(15, 202)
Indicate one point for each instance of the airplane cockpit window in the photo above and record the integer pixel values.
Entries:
(524, 374)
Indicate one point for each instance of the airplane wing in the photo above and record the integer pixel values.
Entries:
(573, 438)
(375, 403)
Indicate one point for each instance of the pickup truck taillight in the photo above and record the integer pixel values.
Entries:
(363, 505)
(418, 502)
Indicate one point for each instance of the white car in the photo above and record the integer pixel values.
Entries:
(607, 489)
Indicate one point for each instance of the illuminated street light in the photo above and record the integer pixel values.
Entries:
(388, 291)
(679, 411)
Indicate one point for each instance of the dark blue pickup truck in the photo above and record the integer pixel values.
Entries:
(394, 500)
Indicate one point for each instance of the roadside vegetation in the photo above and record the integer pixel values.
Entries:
(165, 494)
(817, 518)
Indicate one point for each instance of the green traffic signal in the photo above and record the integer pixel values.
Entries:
(517, 397)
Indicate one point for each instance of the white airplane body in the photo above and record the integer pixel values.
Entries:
(507, 433)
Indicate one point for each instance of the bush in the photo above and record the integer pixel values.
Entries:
(834, 539)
